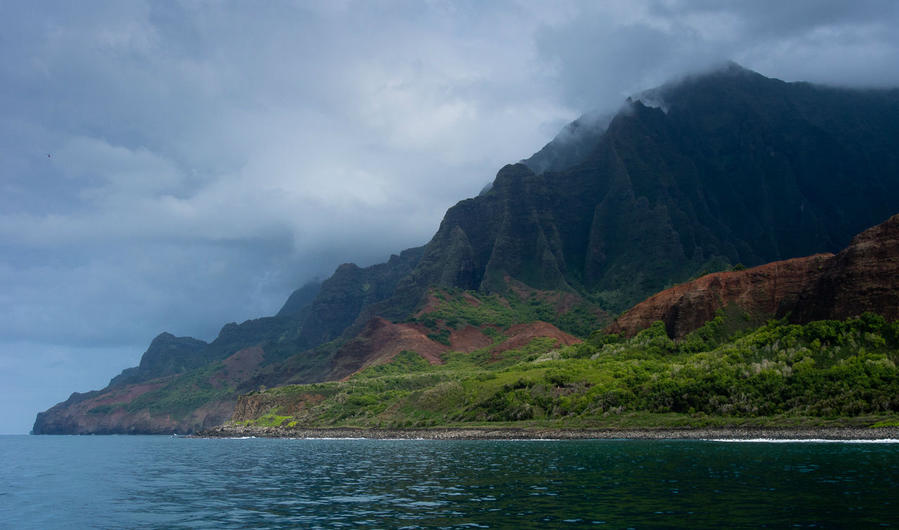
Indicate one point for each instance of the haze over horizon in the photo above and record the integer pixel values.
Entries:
(174, 167)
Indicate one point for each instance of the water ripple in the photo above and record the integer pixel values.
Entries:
(151, 482)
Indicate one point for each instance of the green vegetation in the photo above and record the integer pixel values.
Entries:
(821, 373)
(184, 394)
(457, 308)
(177, 398)
(481, 309)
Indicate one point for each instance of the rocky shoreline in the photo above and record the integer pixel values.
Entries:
(490, 433)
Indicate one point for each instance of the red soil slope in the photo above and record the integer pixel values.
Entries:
(863, 277)
(381, 340)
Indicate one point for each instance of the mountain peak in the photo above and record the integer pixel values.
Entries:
(511, 174)
(728, 69)
(734, 68)
(162, 338)
(572, 145)
(576, 141)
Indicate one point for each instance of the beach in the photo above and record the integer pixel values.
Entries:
(489, 433)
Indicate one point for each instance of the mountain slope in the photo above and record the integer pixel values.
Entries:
(831, 372)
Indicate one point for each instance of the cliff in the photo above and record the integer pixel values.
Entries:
(864, 277)
(167, 355)
(180, 403)
(723, 168)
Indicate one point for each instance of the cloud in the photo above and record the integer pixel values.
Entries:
(600, 59)
(206, 159)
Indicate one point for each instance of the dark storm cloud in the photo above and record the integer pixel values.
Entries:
(599, 59)
(764, 19)
(206, 158)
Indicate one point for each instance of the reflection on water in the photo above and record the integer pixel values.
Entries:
(148, 481)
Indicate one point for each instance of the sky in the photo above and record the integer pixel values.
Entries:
(175, 166)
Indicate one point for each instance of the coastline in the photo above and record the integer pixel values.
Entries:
(510, 433)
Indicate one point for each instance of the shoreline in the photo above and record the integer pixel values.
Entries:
(512, 433)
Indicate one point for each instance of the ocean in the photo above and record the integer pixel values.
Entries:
(171, 482)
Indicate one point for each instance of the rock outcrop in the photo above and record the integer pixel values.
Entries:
(863, 277)
(769, 290)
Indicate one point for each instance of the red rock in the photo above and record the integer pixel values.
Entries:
(379, 342)
(765, 290)
(469, 339)
(863, 277)
(521, 335)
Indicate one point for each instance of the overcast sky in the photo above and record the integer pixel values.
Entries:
(174, 166)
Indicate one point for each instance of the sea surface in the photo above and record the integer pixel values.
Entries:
(157, 481)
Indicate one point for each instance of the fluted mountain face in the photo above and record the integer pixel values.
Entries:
(729, 167)
(166, 355)
(350, 290)
(717, 169)
(298, 302)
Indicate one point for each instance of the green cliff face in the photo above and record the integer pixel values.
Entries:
(348, 292)
(166, 355)
(298, 302)
(736, 168)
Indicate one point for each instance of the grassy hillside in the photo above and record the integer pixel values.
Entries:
(821, 373)
(450, 308)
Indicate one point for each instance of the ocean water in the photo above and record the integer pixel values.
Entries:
(164, 482)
